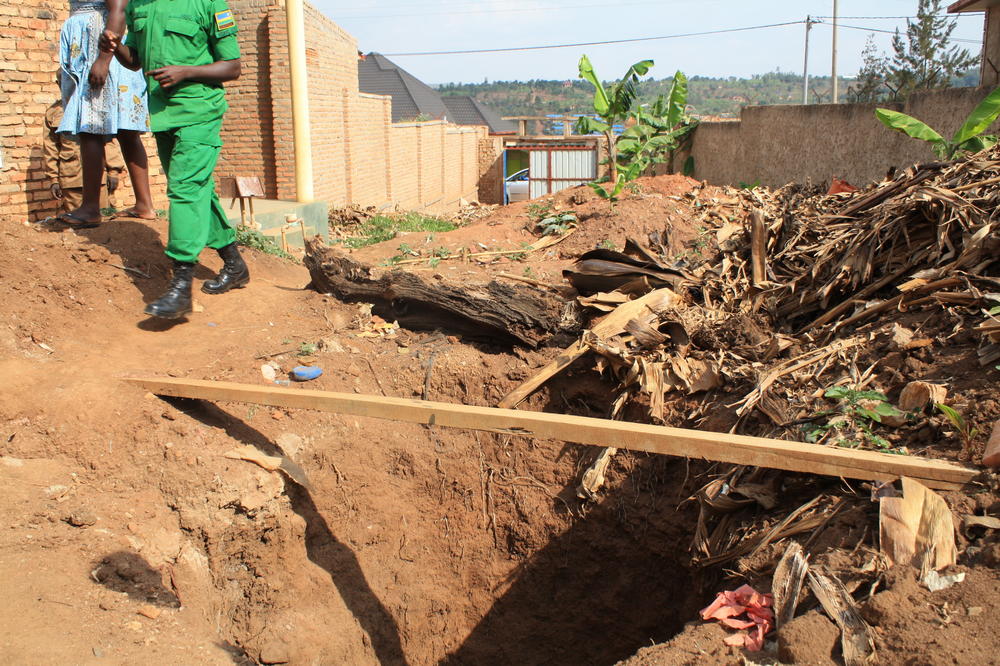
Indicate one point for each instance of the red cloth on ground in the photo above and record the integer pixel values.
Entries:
(730, 604)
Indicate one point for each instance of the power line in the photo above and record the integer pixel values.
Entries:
(880, 18)
(448, 12)
(893, 32)
(601, 43)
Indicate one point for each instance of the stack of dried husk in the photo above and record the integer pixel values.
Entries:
(800, 291)
(798, 283)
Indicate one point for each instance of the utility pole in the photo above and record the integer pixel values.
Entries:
(805, 67)
(836, 83)
(301, 136)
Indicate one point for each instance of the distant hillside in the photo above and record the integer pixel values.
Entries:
(717, 97)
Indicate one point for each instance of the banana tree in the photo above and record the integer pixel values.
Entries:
(659, 130)
(612, 105)
(652, 131)
(968, 138)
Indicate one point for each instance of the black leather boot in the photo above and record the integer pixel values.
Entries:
(176, 300)
(234, 273)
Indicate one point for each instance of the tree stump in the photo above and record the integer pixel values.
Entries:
(492, 312)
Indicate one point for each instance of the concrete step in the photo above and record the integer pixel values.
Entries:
(271, 214)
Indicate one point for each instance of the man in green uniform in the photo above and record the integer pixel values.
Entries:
(188, 49)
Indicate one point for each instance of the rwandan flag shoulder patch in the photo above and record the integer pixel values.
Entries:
(224, 20)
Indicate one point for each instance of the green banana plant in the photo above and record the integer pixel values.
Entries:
(969, 137)
(612, 106)
(652, 132)
(659, 131)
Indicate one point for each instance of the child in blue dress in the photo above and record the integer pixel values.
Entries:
(102, 100)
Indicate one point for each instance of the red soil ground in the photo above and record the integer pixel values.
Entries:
(131, 538)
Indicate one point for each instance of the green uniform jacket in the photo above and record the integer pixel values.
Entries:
(182, 32)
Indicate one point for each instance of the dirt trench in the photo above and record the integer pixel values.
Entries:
(410, 544)
(460, 548)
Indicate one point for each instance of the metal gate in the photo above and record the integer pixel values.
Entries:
(554, 168)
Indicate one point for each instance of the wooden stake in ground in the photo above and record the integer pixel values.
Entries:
(719, 447)
(758, 247)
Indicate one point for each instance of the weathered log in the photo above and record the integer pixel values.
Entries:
(495, 312)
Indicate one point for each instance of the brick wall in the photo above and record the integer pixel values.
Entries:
(359, 156)
(781, 144)
(366, 164)
(403, 163)
(491, 167)
(29, 38)
(249, 130)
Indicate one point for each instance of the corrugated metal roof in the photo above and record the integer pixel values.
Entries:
(411, 97)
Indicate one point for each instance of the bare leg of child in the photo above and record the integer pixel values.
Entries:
(138, 170)
(92, 163)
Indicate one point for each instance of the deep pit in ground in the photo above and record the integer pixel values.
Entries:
(411, 543)
(451, 546)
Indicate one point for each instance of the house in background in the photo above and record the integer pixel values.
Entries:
(989, 68)
(413, 100)
(468, 111)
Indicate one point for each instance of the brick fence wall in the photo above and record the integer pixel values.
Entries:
(782, 144)
(359, 156)
(491, 167)
(249, 129)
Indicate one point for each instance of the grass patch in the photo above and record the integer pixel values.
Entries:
(254, 239)
(381, 228)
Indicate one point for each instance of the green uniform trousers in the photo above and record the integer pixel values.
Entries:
(188, 155)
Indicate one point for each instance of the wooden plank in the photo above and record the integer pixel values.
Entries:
(613, 324)
(737, 449)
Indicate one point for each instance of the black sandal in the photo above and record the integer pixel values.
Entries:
(130, 214)
(80, 223)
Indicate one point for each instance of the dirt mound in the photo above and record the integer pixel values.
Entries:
(678, 210)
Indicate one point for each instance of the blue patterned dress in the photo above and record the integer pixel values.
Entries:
(121, 103)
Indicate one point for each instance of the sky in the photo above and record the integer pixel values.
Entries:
(417, 26)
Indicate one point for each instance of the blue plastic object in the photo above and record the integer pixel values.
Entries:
(305, 373)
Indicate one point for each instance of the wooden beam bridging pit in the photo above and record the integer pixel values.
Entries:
(718, 447)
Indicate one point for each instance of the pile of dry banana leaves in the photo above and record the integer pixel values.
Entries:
(794, 289)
